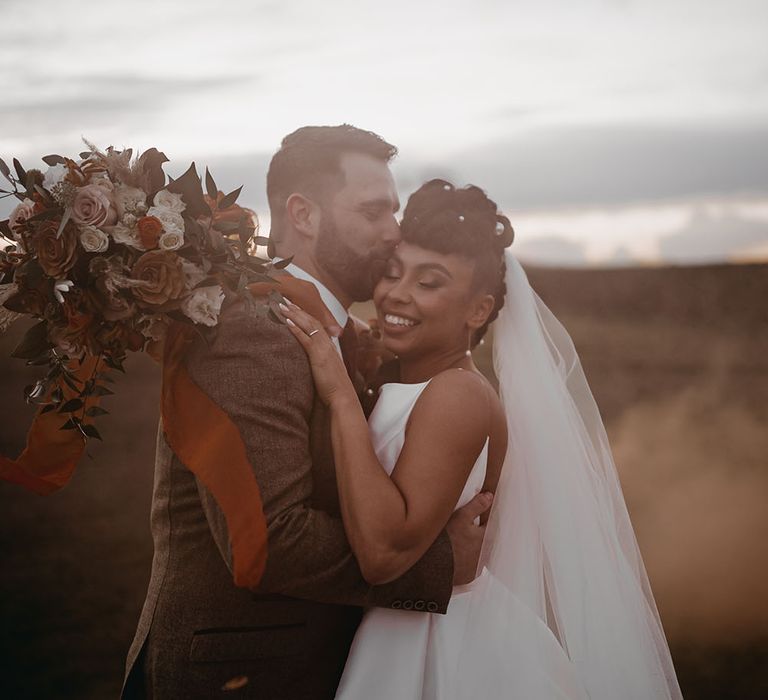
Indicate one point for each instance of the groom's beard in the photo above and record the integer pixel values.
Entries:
(356, 273)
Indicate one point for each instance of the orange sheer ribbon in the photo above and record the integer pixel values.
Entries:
(198, 431)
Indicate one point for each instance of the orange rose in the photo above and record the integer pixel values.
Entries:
(150, 229)
(55, 255)
(158, 277)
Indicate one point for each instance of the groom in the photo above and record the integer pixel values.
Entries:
(332, 200)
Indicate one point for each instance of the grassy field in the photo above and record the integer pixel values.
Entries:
(678, 361)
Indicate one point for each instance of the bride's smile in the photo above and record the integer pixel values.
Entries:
(429, 303)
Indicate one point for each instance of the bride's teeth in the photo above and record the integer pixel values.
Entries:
(398, 320)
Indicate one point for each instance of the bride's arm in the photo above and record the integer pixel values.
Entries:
(391, 522)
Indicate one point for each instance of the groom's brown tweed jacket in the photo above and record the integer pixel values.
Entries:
(290, 638)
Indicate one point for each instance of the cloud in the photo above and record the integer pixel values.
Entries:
(83, 101)
(550, 250)
(575, 166)
(707, 237)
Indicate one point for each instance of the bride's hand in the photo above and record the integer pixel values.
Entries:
(330, 374)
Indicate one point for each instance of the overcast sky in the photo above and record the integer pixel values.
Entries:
(606, 128)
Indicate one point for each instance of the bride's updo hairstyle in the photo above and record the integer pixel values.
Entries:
(447, 220)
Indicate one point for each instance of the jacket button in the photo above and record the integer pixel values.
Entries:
(397, 604)
(432, 606)
(407, 605)
(419, 605)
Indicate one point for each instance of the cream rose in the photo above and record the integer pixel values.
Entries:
(194, 274)
(19, 217)
(93, 240)
(203, 305)
(93, 206)
(169, 200)
(130, 200)
(172, 222)
(126, 235)
(171, 241)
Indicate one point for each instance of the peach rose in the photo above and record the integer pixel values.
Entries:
(55, 255)
(19, 217)
(93, 206)
(150, 229)
(158, 277)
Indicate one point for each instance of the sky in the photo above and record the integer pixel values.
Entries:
(610, 131)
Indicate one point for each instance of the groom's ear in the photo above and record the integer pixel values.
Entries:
(303, 215)
(480, 311)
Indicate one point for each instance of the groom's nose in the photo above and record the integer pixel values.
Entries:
(391, 233)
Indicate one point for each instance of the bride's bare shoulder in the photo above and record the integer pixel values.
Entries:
(461, 397)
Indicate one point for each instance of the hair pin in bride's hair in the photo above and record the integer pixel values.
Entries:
(461, 217)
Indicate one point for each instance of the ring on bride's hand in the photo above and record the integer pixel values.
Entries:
(311, 333)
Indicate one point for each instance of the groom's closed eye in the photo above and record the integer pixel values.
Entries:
(378, 208)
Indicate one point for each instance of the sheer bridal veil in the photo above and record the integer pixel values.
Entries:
(559, 541)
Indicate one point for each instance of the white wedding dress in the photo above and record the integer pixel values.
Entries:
(410, 655)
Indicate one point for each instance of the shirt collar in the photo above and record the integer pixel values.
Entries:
(336, 308)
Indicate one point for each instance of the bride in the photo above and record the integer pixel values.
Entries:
(561, 607)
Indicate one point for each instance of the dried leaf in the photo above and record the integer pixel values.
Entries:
(230, 199)
(280, 264)
(90, 431)
(94, 411)
(210, 185)
(34, 343)
(71, 406)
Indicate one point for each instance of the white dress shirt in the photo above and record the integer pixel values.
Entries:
(336, 308)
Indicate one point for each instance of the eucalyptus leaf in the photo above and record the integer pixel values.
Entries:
(20, 172)
(6, 171)
(54, 159)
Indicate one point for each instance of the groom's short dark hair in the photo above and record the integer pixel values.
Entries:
(310, 156)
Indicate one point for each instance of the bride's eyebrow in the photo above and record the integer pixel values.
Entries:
(434, 266)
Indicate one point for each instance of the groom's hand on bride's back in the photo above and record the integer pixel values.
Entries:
(467, 537)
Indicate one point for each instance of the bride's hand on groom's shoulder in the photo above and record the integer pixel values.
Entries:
(467, 537)
(331, 379)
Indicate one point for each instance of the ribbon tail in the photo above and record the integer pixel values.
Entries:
(209, 444)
